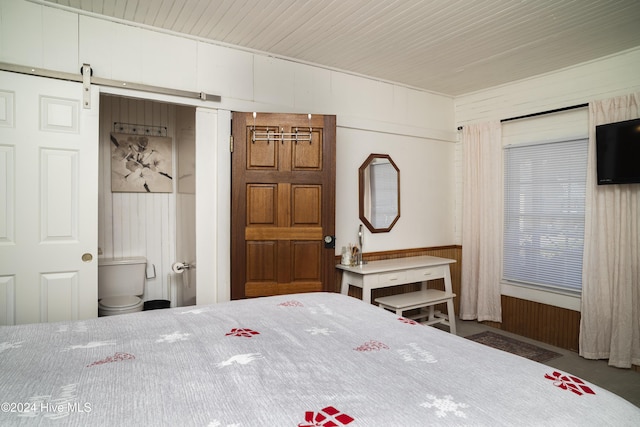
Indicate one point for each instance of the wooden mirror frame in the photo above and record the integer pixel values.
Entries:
(361, 192)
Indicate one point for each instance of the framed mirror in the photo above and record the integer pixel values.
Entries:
(379, 193)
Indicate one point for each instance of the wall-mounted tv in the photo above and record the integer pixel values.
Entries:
(618, 152)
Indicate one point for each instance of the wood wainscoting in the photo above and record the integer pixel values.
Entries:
(541, 322)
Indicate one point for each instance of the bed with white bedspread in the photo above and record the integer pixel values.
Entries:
(318, 359)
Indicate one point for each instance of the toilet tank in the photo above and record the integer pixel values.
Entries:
(121, 276)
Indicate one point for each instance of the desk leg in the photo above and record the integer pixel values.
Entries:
(448, 287)
(344, 287)
(366, 294)
(451, 317)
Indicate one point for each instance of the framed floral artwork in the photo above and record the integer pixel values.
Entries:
(141, 163)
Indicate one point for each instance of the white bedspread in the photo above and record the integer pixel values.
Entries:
(295, 360)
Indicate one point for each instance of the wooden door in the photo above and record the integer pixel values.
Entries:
(48, 200)
(283, 204)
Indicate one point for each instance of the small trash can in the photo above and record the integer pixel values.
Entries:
(156, 304)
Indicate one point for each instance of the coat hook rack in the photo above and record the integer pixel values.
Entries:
(282, 136)
(137, 129)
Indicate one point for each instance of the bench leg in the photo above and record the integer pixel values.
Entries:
(432, 316)
(432, 313)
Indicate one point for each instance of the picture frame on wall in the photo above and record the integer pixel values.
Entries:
(141, 163)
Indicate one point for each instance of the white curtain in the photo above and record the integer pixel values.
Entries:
(481, 222)
(610, 319)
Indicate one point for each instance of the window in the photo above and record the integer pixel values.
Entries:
(544, 199)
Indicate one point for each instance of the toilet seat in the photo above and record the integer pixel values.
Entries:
(119, 305)
(123, 301)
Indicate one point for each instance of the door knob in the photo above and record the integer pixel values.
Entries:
(87, 257)
(329, 242)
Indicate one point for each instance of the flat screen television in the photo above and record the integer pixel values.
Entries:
(618, 152)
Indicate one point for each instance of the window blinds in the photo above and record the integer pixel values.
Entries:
(544, 199)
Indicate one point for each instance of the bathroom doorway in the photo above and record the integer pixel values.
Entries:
(140, 221)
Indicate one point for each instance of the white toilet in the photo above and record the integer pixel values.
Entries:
(120, 285)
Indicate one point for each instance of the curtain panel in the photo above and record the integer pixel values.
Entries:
(481, 222)
(610, 313)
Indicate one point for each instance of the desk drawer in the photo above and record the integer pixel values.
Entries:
(394, 277)
(426, 273)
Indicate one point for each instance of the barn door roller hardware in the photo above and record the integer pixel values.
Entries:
(282, 136)
(87, 78)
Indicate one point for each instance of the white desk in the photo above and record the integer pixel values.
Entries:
(392, 272)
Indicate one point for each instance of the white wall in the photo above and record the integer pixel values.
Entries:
(605, 78)
(426, 185)
(415, 127)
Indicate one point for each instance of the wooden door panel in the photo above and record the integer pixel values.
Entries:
(282, 233)
(262, 155)
(307, 155)
(254, 290)
(303, 270)
(284, 262)
(290, 259)
(283, 204)
(306, 205)
(264, 256)
(262, 204)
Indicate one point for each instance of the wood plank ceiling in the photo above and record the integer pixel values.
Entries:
(451, 47)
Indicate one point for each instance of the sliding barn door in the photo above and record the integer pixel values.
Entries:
(283, 204)
(48, 200)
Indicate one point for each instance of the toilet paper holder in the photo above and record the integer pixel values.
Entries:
(179, 267)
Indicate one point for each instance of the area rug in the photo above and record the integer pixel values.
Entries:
(514, 346)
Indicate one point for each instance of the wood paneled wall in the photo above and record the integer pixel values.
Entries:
(545, 323)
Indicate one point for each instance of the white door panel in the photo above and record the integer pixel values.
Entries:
(48, 200)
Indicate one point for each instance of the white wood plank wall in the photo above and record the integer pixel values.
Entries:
(136, 224)
(605, 78)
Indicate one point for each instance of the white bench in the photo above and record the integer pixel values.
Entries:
(424, 299)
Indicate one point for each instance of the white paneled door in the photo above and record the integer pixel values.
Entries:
(48, 200)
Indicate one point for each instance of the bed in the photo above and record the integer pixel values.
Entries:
(316, 359)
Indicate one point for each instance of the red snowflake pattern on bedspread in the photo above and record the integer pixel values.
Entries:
(118, 357)
(242, 332)
(327, 417)
(372, 346)
(569, 382)
(292, 303)
(408, 321)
